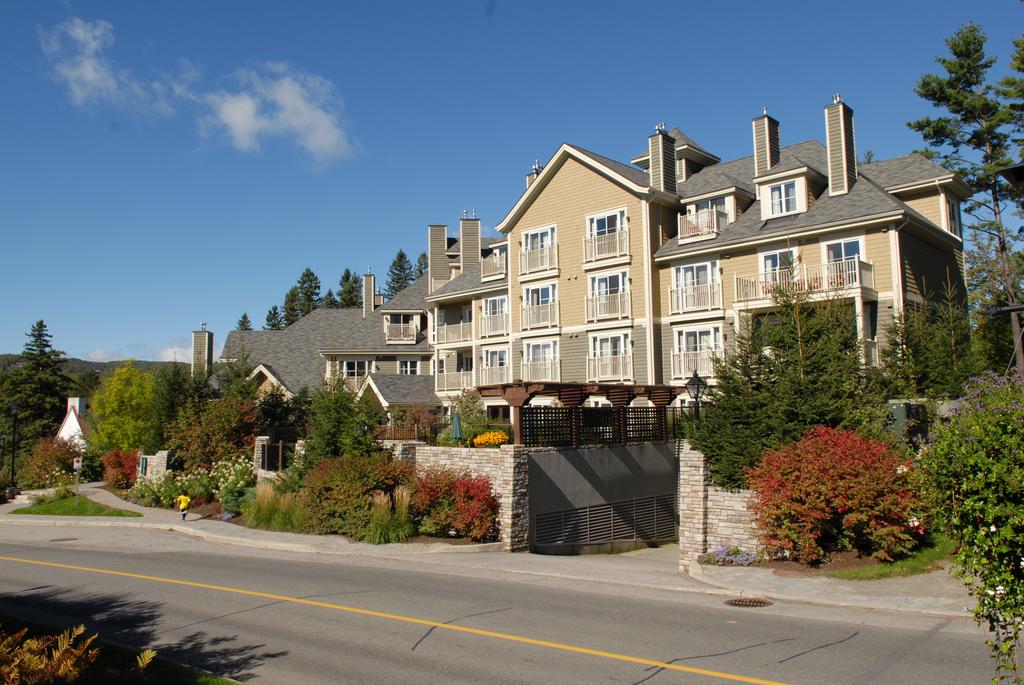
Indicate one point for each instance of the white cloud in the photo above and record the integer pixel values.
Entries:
(99, 355)
(174, 353)
(274, 100)
(280, 100)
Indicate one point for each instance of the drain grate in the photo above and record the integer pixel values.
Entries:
(63, 539)
(748, 602)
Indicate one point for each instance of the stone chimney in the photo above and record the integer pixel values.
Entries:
(662, 149)
(439, 270)
(202, 351)
(842, 156)
(534, 173)
(766, 143)
(369, 293)
(469, 240)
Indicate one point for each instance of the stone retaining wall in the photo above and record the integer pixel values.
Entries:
(507, 469)
(708, 515)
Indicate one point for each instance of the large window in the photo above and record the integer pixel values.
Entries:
(783, 198)
(780, 260)
(698, 339)
(842, 250)
(539, 294)
(355, 368)
(494, 306)
(543, 351)
(408, 367)
(607, 223)
(493, 358)
(696, 274)
(608, 284)
(716, 203)
(536, 240)
(614, 345)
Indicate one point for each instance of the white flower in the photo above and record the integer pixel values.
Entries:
(913, 522)
(992, 528)
(1000, 590)
(901, 469)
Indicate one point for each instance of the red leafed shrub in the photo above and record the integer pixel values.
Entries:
(834, 490)
(49, 460)
(447, 500)
(119, 469)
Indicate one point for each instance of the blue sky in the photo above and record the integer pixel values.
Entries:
(163, 164)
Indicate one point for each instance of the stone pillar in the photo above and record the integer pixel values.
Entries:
(693, 504)
(515, 517)
(261, 444)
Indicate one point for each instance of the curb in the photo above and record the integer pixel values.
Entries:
(400, 549)
(696, 571)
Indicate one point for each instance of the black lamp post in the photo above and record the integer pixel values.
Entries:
(14, 440)
(695, 389)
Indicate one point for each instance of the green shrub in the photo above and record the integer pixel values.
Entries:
(231, 478)
(271, 510)
(336, 493)
(49, 461)
(387, 523)
(835, 490)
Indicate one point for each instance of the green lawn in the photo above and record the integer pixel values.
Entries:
(115, 663)
(925, 559)
(74, 506)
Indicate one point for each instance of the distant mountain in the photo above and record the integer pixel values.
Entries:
(77, 366)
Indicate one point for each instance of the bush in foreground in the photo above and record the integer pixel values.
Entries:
(45, 658)
(272, 510)
(120, 469)
(834, 490)
(49, 463)
(447, 501)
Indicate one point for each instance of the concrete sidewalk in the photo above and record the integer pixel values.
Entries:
(937, 593)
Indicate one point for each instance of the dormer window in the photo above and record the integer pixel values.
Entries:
(783, 198)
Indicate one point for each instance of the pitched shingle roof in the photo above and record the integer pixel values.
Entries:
(902, 170)
(399, 389)
(468, 281)
(630, 173)
(410, 297)
(681, 139)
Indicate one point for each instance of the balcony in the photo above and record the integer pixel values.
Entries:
(455, 380)
(605, 246)
(494, 375)
(538, 259)
(685, 363)
(847, 274)
(493, 324)
(537, 315)
(455, 333)
(695, 298)
(611, 306)
(610, 368)
(547, 370)
(704, 224)
(400, 332)
(494, 266)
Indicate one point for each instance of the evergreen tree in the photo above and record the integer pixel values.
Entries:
(973, 139)
(400, 275)
(244, 324)
(172, 390)
(329, 301)
(275, 320)
(39, 388)
(350, 289)
(292, 310)
(309, 291)
(421, 265)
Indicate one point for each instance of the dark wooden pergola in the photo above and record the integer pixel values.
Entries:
(519, 393)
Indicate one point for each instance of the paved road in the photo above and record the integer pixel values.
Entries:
(308, 619)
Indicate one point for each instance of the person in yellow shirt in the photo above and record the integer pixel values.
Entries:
(182, 503)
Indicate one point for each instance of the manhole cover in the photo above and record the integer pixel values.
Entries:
(748, 602)
(63, 539)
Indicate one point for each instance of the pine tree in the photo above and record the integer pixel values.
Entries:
(421, 265)
(309, 291)
(329, 301)
(39, 387)
(292, 309)
(244, 324)
(400, 275)
(350, 289)
(275, 320)
(973, 139)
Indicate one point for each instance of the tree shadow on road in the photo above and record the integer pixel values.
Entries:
(135, 623)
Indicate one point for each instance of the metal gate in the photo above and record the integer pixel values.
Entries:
(648, 519)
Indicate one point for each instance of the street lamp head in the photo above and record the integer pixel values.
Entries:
(14, 409)
(695, 386)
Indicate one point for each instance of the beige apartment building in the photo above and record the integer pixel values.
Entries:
(643, 272)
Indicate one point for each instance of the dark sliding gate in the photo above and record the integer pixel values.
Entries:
(648, 519)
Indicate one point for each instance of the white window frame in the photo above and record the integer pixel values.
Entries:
(677, 273)
(761, 259)
(842, 241)
(714, 330)
(594, 278)
(781, 210)
(553, 285)
(622, 335)
(529, 345)
(550, 230)
(592, 221)
(367, 368)
(500, 353)
(415, 367)
(488, 310)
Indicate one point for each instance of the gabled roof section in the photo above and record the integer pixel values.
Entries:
(683, 141)
(410, 298)
(455, 247)
(629, 177)
(469, 281)
(402, 390)
(905, 170)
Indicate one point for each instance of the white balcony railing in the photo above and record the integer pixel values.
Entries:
(830, 277)
(454, 380)
(546, 370)
(495, 265)
(494, 375)
(611, 306)
(536, 315)
(399, 332)
(610, 368)
(493, 324)
(694, 298)
(456, 332)
(706, 222)
(538, 259)
(605, 246)
(685, 363)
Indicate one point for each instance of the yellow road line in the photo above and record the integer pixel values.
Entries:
(408, 619)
